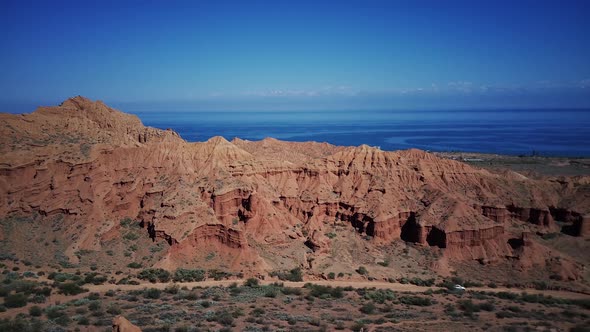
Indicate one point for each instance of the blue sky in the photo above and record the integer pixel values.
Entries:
(279, 55)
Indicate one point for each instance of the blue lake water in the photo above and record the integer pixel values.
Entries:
(548, 132)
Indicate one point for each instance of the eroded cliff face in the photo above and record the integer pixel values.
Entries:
(240, 196)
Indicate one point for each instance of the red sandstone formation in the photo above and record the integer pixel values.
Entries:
(96, 165)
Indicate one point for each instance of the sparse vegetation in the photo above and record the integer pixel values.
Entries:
(362, 271)
(188, 275)
(154, 275)
(293, 275)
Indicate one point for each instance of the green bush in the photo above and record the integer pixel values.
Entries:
(487, 306)
(271, 291)
(15, 300)
(134, 265)
(55, 311)
(95, 278)
(172, 289)
(362, 270)
(94, 305)
(293, 275)
(251, 282)
(20, 324)
(380, 295)
(322, 291)
(131, 236)
(114, 309)
(468, 306)
(152, 293)
(70, 288)
(291, 290)
(187, 275)
(218, 275)
(223, 317)
(416, 300)
(126, 222)
(331, 275)
(35, 311)
(154, 275)
(83, 321)
(368, 308)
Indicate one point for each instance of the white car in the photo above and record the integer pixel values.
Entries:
(459, 287)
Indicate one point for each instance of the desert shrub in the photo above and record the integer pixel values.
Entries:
(468, 306)
(331, 275)
(114, 309)
(83, 321)
(506, 295)
(380, 295)
(322, 291)
(218, 275)
(134, 265)
(62, 320)
(94, 305)
(187, 275)
(251, 282)
(131, 236)
(95, 278)
(470, 283)
(421, 282)
(16, 300)
(71, 288)
(291, 291)
(172, 289)
(583, 303)
(384, 263)
(540, 285)
(257, 312)
(44, 291)
(35, 311)
(293, 275)
(504, 314)
(55, 311)
(368, 308)
(362, 270)
(358, 326)
(223, 317)
(154, 275)
(152, 293)
(126, 222)
(61, 277)
(448, 284)
(19, 324)
(487, 306)
(271, 291)
(416, 300)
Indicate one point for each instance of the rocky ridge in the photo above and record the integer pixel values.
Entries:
(96, 166)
